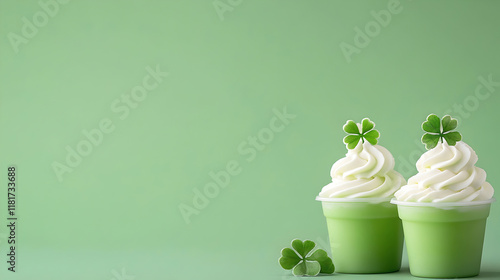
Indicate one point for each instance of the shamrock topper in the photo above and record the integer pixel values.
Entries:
(302, 263)
(367, 133)
(437, 129)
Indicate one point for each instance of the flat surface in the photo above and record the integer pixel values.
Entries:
(259, 89)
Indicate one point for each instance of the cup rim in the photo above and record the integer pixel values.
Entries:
(443, 204)
(357, 199)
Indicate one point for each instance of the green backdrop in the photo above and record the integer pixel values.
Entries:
(115, 113)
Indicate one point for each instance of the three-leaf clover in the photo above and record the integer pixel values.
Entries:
(301, 262)
(440, 129)
(367, 133)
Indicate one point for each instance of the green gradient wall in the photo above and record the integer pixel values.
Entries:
(180, 89)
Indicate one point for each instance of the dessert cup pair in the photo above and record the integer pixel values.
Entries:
(443, 240)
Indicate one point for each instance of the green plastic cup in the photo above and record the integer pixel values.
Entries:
(444, 240)
(365, 234)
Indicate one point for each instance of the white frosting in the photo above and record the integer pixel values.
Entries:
(366, 171)
(447, 174)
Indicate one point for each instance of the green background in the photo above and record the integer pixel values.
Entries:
(119, 208)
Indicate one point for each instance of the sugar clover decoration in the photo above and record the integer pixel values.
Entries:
(440, 129)
(354, 135)
(302, 262)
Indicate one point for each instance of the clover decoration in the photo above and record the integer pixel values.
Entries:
(367, 133)
(301, 262)
(440, 129)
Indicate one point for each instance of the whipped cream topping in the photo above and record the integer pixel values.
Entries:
(447, 174)
(367, 171)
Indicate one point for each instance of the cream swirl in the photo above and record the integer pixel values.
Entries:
(366, 171)
(447, 174)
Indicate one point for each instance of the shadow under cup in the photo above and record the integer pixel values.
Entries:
(444, 240)
(365, 234)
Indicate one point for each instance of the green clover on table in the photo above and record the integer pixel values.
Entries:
(367, 133)
(301, 262)
(440, 129)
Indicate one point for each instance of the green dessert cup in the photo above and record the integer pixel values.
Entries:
(365, 234)
(444, 240)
